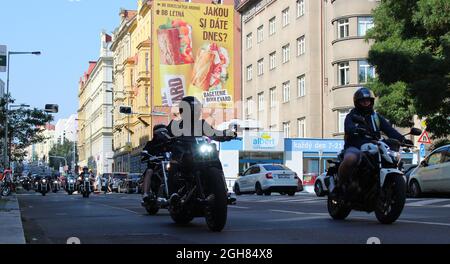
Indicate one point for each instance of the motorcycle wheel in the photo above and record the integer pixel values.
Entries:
(216, 211)
(6, 191)
(152, 209)
(337, 208)
(391, 200)
(44, 193)
(70, 193)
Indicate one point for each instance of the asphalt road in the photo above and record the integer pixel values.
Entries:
(119, 219)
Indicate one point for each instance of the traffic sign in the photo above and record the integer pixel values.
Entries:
(3, 53)
(422, 151)
(424, 138)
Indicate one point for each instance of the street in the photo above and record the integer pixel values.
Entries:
(302, 219)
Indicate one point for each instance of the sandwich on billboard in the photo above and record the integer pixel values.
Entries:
(193, 53)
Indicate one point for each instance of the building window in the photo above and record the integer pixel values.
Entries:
(286, 92)
(344, 69)
(343, 28)
(342, 114)
(300, 8)
(272, 26)
(260, 67)
(260, 101)
(364, 24)
(301, 48)
(301, 126)
(286, 53)
(249, 72)
(285, 15)
(147, 62)
(273, 97)
(273, 60)
(366, 72)
(249, 40)
(301, 86)
(287, 129)
(249, 106)
(260, 34)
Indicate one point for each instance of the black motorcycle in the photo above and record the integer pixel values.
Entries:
(70, 185)
(159, 196)
(85, 185)
(378, 184)
(43, 186)
(197, 184)
(56, 185)
(26, 183)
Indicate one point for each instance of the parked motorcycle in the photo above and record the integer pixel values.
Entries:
(196, 182)
(160, 193)
(380, 185)
(7, 184)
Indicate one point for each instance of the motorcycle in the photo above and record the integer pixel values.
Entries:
(378, 185)
(56, 185)
(7, 184)
(85, 186)
(43, 186)
(26, 183)
(70, 185)
(158, 199)
(197, 184)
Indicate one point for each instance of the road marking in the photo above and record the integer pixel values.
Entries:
(448, 205)
(238, 207)
(296, 219)
(314, 200)
(298, 213)
(423, 223)
(119, 208)
(273, 200)
(426, 202)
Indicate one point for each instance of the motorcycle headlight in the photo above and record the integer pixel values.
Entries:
(71, 181)
(168, 166)
(44, 181)
(206, 149)
(79, 178)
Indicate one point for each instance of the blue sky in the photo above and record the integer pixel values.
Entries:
(68, 34)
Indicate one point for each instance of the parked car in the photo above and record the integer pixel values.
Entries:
(267, 178)
(117, 179)
(130, 184)
(320, 187)
(432, 175)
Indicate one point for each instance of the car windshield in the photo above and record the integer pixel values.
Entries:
(275, 167)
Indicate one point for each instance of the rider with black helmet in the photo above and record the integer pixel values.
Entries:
(363, 100)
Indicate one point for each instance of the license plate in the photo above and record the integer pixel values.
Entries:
(283, 176)
(307, 178)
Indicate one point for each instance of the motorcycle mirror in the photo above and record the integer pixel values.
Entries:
(358, 119)
(415, 131)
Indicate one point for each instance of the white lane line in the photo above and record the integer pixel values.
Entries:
(273, 200)
(423, 223)
(238, 207)
(296, 219)
(298, 213)
(314, 200)
(118, 208)
(426, 202)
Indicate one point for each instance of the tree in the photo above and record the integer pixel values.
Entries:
(62, 150)
(25, 128)
(411, 54)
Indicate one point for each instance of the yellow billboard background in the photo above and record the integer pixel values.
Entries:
(193, 53)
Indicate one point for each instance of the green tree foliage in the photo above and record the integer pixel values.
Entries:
(62, 150)
(25, 128)
(412, 56)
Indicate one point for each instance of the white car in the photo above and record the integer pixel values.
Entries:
(320, 188)
(267, 178)
(432, 175)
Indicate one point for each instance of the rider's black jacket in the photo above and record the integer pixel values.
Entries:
(375, 124)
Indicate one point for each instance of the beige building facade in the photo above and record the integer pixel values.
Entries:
(302, 60)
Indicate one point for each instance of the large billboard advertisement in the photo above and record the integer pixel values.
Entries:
(193, 53)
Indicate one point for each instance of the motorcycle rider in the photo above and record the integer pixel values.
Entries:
(354, 138)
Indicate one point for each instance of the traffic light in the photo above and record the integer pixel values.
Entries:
(126, 110)
(51, 108)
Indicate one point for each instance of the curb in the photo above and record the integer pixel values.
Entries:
(11, 229)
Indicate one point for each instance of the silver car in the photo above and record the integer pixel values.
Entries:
(267, 178)
(432, 175)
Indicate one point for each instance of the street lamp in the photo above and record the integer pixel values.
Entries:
(5, 140)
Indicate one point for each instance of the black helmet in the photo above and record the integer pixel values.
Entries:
(159, 131)
(195, 106)
(364, 93)
(85, 168)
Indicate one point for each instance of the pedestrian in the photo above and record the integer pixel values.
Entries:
(98, 181)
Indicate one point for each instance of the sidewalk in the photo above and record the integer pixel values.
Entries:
(11, 229)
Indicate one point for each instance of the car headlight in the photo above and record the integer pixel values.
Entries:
(206, 149)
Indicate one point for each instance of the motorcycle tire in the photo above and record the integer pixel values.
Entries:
(44, 193)
(152, 209)
(387, 212)
(70, 193)
(337, 208)
(217, 210)
(6, 191)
